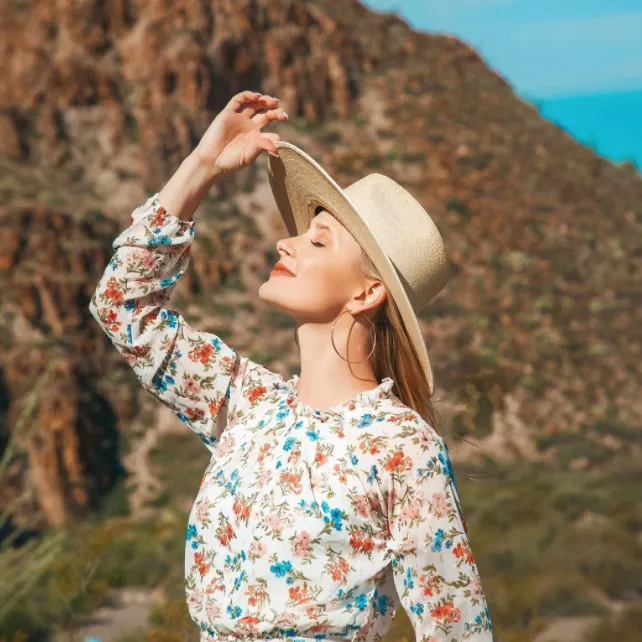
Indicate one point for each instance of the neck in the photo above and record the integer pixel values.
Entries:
(326, 379)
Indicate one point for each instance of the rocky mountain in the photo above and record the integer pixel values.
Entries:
(536, 336)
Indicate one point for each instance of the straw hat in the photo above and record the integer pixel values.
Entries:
(384, 218)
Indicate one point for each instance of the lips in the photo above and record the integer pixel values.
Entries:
(280, 268)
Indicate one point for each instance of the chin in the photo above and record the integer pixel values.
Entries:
(271, 295)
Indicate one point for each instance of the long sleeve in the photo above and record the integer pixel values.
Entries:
(193, 373)
(434, 570)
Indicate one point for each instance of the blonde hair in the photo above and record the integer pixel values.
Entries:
(394, 356)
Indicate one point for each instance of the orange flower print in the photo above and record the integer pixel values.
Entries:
(464, 551)
(398, 462)
(256, 392)
(242, 508)
(299, 595)
(199, 559)
(201, 353)
(293, 481)
(215, 406)
(225, 534)
(446, 612)
(113, 292)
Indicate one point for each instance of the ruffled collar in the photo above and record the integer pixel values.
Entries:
(365, 397)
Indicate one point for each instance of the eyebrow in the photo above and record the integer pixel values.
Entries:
(323, 226)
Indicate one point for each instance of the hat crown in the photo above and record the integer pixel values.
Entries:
(406, 232)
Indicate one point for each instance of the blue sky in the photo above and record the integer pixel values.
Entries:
(544, 48)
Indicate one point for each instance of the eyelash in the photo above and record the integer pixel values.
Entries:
(317, 244)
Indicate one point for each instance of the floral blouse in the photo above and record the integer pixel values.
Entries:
(309, 524)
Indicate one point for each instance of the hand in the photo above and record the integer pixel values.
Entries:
(234, 139)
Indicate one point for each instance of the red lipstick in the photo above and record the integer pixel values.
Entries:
(282, 269)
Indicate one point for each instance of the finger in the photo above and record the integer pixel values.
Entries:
(241, 98)
(264, 102)
(267, 144)
(262, 118)
(272, 136)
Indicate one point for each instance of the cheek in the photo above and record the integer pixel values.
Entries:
(327, 279)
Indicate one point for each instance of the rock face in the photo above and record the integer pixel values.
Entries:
(101, 71)
(538, 331)
(48, 265)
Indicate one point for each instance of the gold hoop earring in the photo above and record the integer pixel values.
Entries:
(374, 340)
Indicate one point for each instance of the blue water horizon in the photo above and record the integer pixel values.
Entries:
(608, 122)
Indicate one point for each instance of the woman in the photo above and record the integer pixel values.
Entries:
(329, 499)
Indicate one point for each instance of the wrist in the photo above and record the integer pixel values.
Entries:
(203, 169)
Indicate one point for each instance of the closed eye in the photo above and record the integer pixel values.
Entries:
(317, 244)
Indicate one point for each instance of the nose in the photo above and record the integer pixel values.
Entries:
(282, 246)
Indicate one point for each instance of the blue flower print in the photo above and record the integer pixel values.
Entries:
(337, 516)
(289, 442)
(354, 459)
(312, 435)
(281, 568)
(234, 611)
(408, 581)
(216, 342)
(160, 240)
(417, 608)
(162, 381)
(366, 420)
(373, 474)
(170, 316)
(361, 601)
(282, 414)
(191, 531)
(438, 540)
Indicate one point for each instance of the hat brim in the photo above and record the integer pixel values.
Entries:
(300, 185)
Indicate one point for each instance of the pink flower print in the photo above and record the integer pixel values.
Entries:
(476, 588)
(439, 504)
(362, 505)
(213, 610)
(203, 508)
(275, 523)
(225, 447)
(301, 544)
(411, 512)
(257, 549)
(192, 387)
(425, 438)
(410, 543)
(195, 598)
(263, 477)
(144, 258)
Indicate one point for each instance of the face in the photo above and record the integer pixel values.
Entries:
(326, 262)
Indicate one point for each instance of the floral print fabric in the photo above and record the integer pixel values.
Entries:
(309, 524)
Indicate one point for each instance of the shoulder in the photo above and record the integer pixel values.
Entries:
(399, 443)
(403, 427)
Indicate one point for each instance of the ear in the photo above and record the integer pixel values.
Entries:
(372, 296)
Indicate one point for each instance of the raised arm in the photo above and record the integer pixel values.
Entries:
(193, 373)
(434, 570)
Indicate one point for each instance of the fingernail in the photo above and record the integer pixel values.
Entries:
(286, 114)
